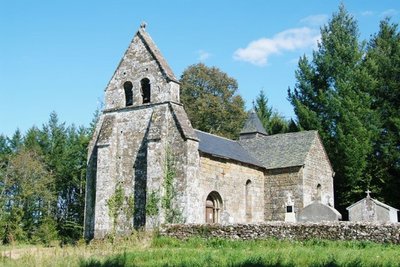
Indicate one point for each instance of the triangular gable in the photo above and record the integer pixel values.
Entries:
(153, 49)
(377, 202)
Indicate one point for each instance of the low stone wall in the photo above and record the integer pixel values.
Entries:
(380, 233)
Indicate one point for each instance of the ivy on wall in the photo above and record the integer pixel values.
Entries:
(118, 203)
(172, 213)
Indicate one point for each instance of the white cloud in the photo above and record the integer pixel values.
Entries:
(315, 20)
(389, 13)
(203, 55)
(258, 51)
(367, 13)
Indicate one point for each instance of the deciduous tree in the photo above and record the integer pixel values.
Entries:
(211, 100)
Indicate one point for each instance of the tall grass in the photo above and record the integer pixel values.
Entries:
(162, 251)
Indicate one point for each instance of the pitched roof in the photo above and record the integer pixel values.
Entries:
(182, 121)
(280, 150)
(157, 54)
(253, 125)
(224, 148)
(377, 202)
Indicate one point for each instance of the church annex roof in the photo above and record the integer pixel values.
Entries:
(377, 202)
(156, 54)
(224, 148)
(280, 150)
(253, 125)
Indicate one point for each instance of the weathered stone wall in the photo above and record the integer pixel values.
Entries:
(130, 144)
(280, 184)
(367, 210)
(229, 179)
(138, 63)
(380, 233)
(165, 140)
(317, 171)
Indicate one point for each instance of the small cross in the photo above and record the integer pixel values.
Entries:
(143, 25)
(368, 192)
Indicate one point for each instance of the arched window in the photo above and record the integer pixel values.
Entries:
(213, 207)
(248, 200)
(128, 93)
(318, 194)
(145, 90)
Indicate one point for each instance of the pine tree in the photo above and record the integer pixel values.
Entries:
(331, 95)
(383, 62)
(263, 110)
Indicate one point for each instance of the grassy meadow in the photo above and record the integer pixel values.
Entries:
(145, 250)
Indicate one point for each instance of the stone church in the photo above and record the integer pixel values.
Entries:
(147, 165)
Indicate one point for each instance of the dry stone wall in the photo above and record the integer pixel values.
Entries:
(380, 233)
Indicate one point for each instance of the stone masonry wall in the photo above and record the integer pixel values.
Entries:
(380, 233)
(317, 171)
(279, 185)
(229, 180)
(136, 64)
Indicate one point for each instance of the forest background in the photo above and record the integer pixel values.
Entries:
(348, 90)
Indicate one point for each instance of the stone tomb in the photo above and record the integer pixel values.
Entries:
(371, 210)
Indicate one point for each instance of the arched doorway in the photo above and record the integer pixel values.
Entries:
(213, 207)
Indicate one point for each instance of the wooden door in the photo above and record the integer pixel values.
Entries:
(210, 212)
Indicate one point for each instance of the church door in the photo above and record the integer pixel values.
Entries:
(209, 212)
(213, 207)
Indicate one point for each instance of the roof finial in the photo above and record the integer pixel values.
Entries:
(368, 192)
(143, 25)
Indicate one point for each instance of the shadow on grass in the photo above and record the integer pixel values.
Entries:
(122, 261)
(116, 261)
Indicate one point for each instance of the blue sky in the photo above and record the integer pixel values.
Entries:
(59, 55)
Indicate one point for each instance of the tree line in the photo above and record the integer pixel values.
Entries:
(349, 90)
(42, 183)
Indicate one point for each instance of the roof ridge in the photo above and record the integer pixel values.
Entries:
(217, 136)
(155, 51)
(290, 133)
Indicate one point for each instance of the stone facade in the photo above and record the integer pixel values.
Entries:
(241, 188)
(318, 175)
(147, 166)
(281, 185)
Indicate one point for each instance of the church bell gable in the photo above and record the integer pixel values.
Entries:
(142, 77)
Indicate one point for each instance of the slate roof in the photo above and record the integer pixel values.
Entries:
(182, 121)
(253, 125)
(224, 148)
(280, 150)
(157, 54)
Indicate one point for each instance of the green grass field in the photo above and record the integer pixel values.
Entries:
(161, 251)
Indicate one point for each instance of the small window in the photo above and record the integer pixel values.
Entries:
(128, 93)
(289, 209)
(318, 194)
(145, 89)
(248, 199)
